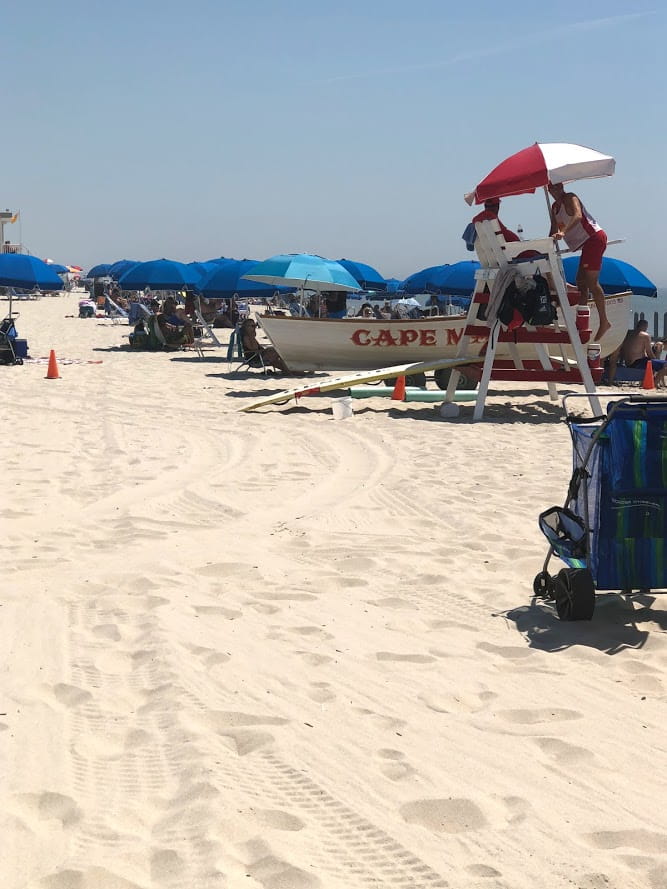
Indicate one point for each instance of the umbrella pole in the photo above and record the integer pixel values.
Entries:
(546, 198)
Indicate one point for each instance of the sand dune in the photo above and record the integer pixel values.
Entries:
(284, 651)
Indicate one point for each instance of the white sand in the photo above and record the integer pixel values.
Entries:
(286, 651)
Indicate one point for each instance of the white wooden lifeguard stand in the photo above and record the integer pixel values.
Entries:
(495, 253)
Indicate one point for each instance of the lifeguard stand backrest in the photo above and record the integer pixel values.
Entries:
(490, 244)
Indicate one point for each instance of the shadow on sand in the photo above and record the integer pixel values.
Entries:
(619, 623)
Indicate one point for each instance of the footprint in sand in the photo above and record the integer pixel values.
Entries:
(483, 870)
(539, 716)
(107, 631)
(456, 815)
(389, 723)
(275, 873)
(562, 751)
(314, 660)
(51, 806)
(393, 764)
(209, 656)
(394, 602)
(91, 878)
(351, 582)
(70, 695)
(295, 596)
(263, 608)
(511, 652)
(118, 663)
(311, 631)
(166, 865)
(278, 820)
(518, 809)
(217, 610)
(645, 840)
(321, 692)
(235, 729)
(458, 702)
(409, 658)
(222, 719)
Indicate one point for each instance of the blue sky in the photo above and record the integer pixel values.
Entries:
(247, 128)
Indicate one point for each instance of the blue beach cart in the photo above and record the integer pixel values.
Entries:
(611, 532)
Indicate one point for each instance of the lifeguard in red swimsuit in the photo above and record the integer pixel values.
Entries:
(571, 221)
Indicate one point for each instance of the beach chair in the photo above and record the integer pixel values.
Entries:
(8, 340)
(243, 358)
(156, 338)
(115, 312)
(206, 326)
(611, 530)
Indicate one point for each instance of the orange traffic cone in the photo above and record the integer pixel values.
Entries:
(52, 372)
(399, 390)
(648, 382)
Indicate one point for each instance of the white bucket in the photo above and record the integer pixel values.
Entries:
(341, 408)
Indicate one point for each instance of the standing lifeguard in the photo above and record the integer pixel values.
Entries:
(571, 221)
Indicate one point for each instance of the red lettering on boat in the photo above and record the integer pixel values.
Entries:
(407, 336)
(453, 336)
(361, 337)
(428, 338)
(384, 338)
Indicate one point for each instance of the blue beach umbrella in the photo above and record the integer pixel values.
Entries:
(58, 268)
(225, 281)
(99, 271)
(203, 268)
(159, 274)
(366, 276)
(457, 279)
(616, 276)
(27, 272)
(394, 285)
(118, 269)
(302, 270)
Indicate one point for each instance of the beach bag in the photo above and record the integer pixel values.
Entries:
(565, 532)
(509, 311)
(537, 308)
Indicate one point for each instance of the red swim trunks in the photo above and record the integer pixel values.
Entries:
(593, 251)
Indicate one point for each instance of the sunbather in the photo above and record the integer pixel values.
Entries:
(174, 323)
(267, 354)
(637, 351)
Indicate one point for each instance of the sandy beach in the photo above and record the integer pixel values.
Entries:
(283, 651)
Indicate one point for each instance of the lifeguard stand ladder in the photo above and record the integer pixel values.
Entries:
(495, 253)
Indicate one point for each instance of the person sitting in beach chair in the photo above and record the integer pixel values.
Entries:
(256, 355)
(637, 350)
(175, 325)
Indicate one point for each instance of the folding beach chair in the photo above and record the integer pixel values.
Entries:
(206, 326)
(243, 357)
(114, 311)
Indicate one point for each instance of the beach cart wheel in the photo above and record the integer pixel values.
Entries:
(574, 594)
(543, 585)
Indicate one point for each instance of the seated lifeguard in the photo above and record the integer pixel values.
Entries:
(489, 213)
(252, 349)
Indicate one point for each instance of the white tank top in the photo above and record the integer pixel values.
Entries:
(579, 233)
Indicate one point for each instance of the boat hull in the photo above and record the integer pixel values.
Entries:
(367, 343)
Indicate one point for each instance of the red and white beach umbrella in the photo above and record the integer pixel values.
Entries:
(539, 165)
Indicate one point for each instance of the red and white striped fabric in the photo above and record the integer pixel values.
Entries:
(539, 165)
